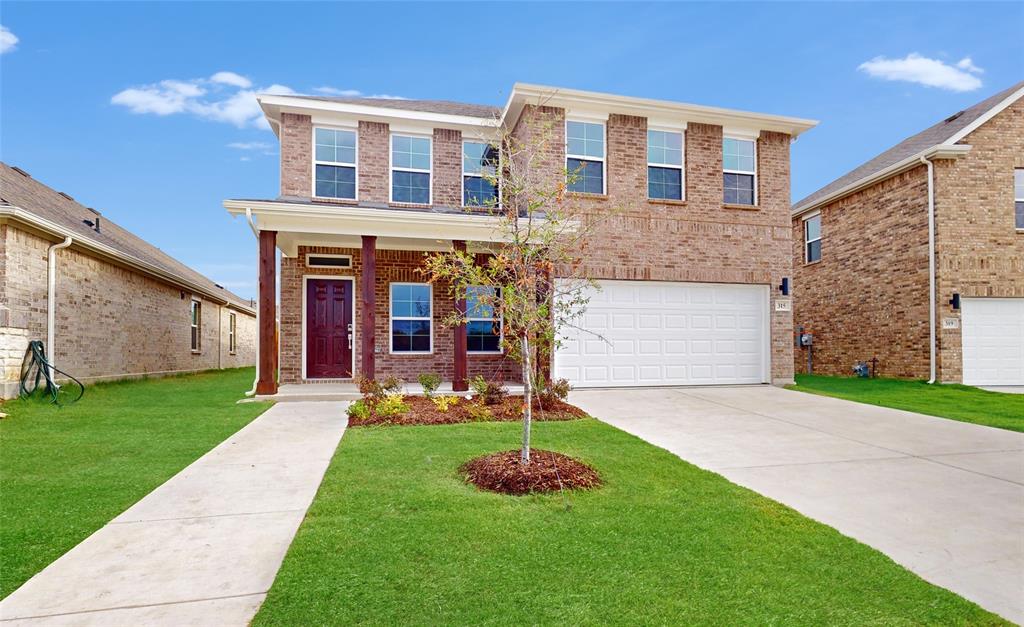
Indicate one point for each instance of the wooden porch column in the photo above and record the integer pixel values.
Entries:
(267, 383)
(459, 380)
(368, 341)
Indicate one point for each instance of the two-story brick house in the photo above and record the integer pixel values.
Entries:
(691, 265)
(916, 258)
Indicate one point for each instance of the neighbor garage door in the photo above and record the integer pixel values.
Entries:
(993, 340)
(637, 333)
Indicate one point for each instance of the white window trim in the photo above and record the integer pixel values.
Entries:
(681, 167)
(232, 335)
(808, 242)
(604, 142)
(501, 328)
(354, 166)
(743, 138)
(195, 322)
(392, 318)
(465, 174)
(329, 256)
(392, 169)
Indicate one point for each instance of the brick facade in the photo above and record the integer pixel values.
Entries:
(868, 296)
(111, 322)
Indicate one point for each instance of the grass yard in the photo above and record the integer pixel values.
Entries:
(395, 537)
(65, 472)
(957, 402)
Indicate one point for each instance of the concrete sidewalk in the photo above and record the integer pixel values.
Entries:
(943, 498)
(203, 548)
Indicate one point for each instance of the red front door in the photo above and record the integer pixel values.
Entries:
(328, 329)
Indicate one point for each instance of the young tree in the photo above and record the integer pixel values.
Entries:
(543, 227)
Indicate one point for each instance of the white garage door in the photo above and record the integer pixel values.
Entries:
(637, 333)
(993, 340)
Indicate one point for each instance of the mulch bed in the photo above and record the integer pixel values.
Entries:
(424, 412)
(547, 472)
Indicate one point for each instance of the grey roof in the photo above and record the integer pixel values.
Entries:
(24, 192)
(911, 146)
(429, 106)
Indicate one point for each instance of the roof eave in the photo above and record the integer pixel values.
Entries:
(938, 151)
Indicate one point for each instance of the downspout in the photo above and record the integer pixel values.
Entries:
(931, 269)
(256, 232)
(51, 298)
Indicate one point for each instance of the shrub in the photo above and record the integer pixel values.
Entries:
(444, 403)
(392, 385)
(391, 405)
(358, 410)
(430, 382)
(490, 392)
(556, 390)
(374, 391)
(478, 412)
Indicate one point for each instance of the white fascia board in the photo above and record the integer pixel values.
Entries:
(938, 151)
(27, 217)
(571, 99)
(988, 115)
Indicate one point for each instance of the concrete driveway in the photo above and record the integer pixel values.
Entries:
(943, 498)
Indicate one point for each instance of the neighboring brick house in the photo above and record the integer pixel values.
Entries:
(691, 263)
(121, 307)
(861, 255)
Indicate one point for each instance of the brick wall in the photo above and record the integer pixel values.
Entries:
(111, 322)
(393, 266)
(296, 155)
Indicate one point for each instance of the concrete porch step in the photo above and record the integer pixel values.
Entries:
(347, 391)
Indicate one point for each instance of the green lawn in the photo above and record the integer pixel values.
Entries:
(66, 471)
(395, 537)
(957, 402)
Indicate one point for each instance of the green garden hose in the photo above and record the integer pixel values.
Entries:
(35, 368)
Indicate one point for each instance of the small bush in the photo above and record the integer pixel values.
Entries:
(556, 390)
(430, 382)
(391, 405)
(444, 403)
(358, 410)
(490, 392)
(478, 412)
(374, 391)
(392, 385)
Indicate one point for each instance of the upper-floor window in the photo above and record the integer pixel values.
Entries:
(739, 164)
(664, 165)
(334, 163)
(1018, 196)
(479, 167)
(483, 325)
(410, 169)
(196, 315)
(584, 156)
(411, 317)
(232, 325)
(812, 239)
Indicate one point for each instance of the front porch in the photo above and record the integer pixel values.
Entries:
(349, 391)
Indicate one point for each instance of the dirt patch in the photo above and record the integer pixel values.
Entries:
(547, 472)
(423, 411)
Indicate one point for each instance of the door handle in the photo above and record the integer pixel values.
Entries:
(350, 341)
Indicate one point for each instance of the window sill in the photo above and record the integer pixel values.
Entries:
(195, 352)
(588, 196)
(741, 207)
(812, 263)
(666, 201)
(484, 353)
(411, 353)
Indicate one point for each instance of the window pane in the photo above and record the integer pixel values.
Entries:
(479, 158)
(1018, 184)
(475, 308)
(813, 251)
(738, 154)
(585, 176)
(410, 335)
(585, 139)
(410, 152)
(410, 301)
(665, 147)
(812, 227)
(478, 192)
(483, 336)
(336, 146)
(664, 183)
(335, 181)
(739, 189)
(1019, 206)
(412, 187)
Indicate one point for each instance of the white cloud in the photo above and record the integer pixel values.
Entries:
(250, 145)
(915, 68)
(230, 78)
(8, 40)
(224, 97)
(354, 93)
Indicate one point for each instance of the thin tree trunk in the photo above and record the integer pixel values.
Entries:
(528, 398)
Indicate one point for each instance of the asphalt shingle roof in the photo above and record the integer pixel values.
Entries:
(26, 193)
(927, 138)
(428, 106)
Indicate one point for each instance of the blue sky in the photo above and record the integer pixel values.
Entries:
(164, 176)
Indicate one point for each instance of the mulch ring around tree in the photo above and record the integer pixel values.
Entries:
(423, 411)
(547, 472)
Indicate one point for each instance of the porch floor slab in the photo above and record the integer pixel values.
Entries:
(349, 391)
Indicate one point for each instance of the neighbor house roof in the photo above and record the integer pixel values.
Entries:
(26, 199)
(946, 133)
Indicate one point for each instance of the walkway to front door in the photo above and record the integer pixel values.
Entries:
(328, 328)
(943, 498)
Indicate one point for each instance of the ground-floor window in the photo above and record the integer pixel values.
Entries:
(231, 333)
(411, 317)
(197, 320)
(483, 325)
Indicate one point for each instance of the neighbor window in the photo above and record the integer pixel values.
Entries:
(334, 162)
(231, 332)
(1018, 196)
(812, 239)
(483, 325)
(584, 156)
(740, 171)
(411, 317)
(197, 320)
(664, 165)
(479, 161)
(410, 169)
